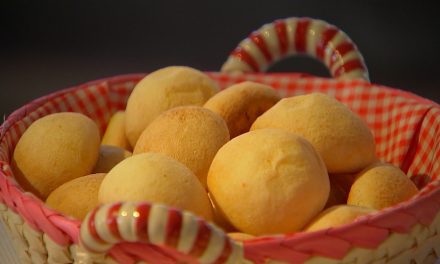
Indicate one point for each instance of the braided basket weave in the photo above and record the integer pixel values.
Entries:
(406, 129)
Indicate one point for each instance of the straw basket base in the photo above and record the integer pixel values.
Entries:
(35, 247)
(8, 254)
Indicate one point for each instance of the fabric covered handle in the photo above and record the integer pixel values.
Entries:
(161, 226)
(282, 38)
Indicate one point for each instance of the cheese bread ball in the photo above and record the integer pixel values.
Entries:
(55, 149)
(115, 132)
(337, 216)
(162, 90)
(77, 197)
(189, 134)
(381, 185)
(109, 156)
(342, 138)
(240, 104)
(268, 181)
(156, 178)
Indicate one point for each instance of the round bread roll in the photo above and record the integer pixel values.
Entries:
(241, 104)
(115, 132)
(156, 178)
(109, 156)
(77, 197)
(337, 216)
(342, 138)
(380, 186)
(238, 236)
(189, 134)
(162, 90)
(268, 181)
(55, 149)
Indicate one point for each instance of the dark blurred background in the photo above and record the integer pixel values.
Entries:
(50, 45)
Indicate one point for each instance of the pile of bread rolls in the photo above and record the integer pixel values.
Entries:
(243, 158)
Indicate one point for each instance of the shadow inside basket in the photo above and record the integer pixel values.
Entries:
(406, 129)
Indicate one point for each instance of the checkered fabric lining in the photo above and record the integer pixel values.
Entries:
(406, 127)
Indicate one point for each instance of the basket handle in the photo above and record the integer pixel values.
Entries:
(161, 226)
(293, 36)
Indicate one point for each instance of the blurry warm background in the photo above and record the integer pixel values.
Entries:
(50, 45)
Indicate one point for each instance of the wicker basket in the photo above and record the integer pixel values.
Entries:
(406, 129)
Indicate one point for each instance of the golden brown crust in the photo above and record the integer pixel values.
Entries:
(76, 197)
(55, 149)
(189, 134)
(268, 181)
(342, 138)
(156, 178)
(114, 134)
(162, 90)
(380, 186)
(336, 216)
(241, 104)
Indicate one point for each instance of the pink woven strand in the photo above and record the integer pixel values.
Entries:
(260, 251)
(318, 243)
